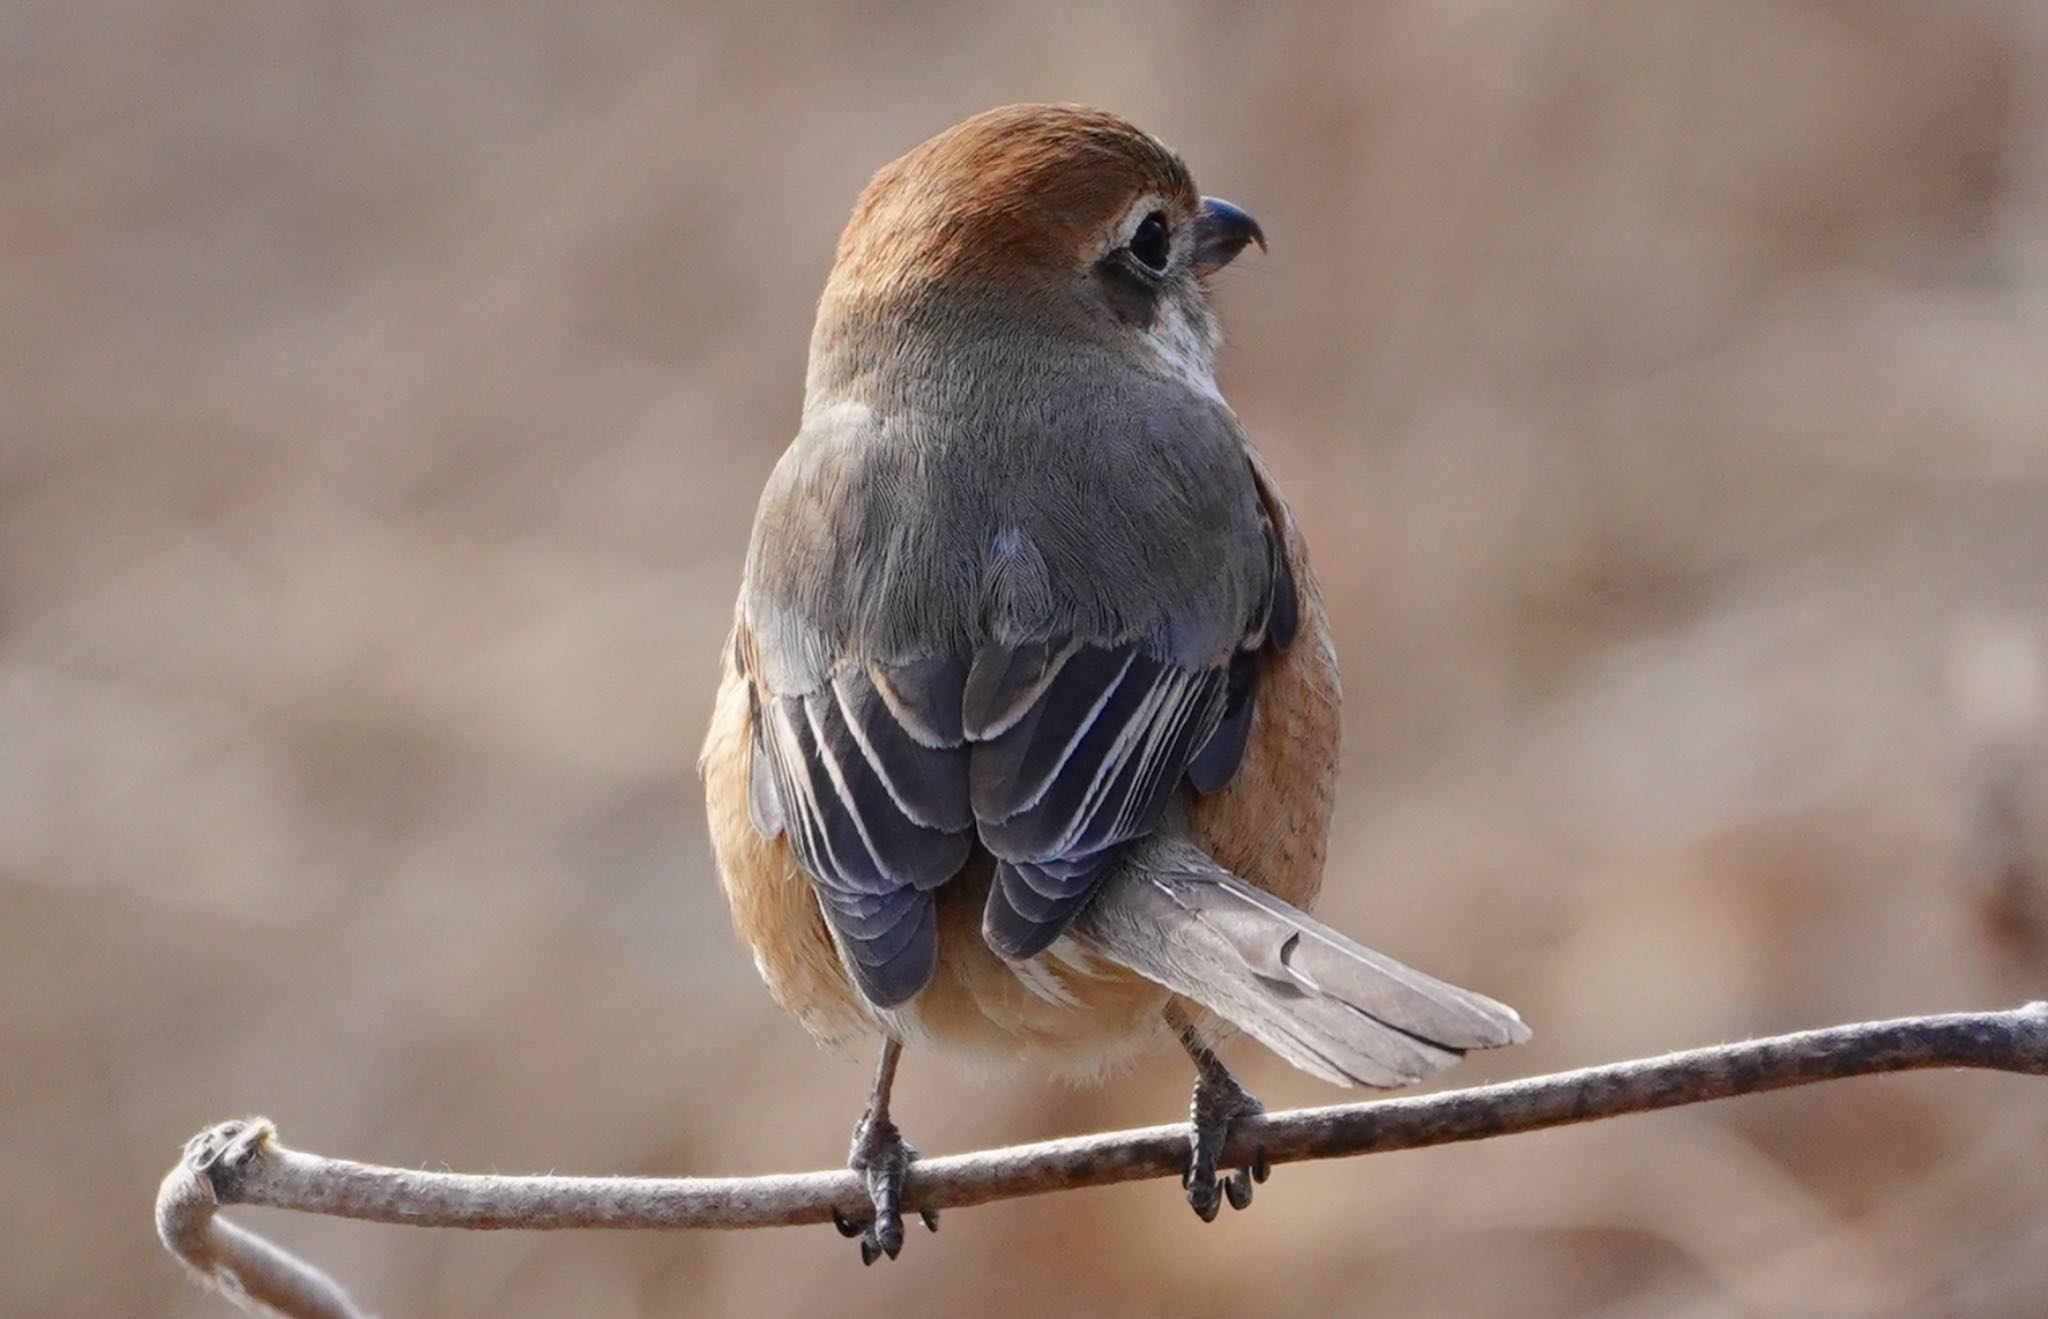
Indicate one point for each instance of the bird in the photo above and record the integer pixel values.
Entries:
(1026, 735)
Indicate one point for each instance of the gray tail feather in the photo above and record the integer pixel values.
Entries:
(1329, 1005)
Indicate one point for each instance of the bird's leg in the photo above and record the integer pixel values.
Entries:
(1218, 1101)
(882, 1157)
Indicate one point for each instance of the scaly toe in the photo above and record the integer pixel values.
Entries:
(887, 1233)
(882, 1157)
(1206, 1204)
(1218, 1102)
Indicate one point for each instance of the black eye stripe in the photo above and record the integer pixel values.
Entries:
(1152, 243)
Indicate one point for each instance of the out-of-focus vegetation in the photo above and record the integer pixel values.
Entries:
(384, 390)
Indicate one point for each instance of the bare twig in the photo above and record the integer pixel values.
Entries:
(242, 1163)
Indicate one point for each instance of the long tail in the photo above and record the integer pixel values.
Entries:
(1329, 1005)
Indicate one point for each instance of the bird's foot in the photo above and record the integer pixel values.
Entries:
(883, 1158)
(1219, 1101)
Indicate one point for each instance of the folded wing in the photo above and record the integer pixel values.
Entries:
(867, 774)
(943, 655)
(1052, 754)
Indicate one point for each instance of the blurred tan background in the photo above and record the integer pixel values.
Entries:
(384, 392)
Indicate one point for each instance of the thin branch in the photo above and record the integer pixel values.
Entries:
(242, 1162)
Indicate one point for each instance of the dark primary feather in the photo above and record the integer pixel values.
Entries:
(922, 697)
(898, 959)
(1283, 605)
(922, 779)
(1216, 763)
(1004, 683)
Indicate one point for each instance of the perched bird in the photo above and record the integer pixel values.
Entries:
(1027, 734)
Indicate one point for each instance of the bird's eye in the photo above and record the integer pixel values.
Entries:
(1152, 244)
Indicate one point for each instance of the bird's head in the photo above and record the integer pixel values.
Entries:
(1062, 218)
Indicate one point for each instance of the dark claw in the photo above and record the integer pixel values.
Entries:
(847, 1227)
(931, 1219)
(1219, 1101)
(1200, 1180)
(1262, 1167)
(887, 1233)
(869, 1251)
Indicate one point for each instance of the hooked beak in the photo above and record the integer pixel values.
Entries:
(1221, 232)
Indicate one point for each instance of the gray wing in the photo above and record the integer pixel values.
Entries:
(1080, 748)
(900, 719)
(1076, 754)
(868, 777)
